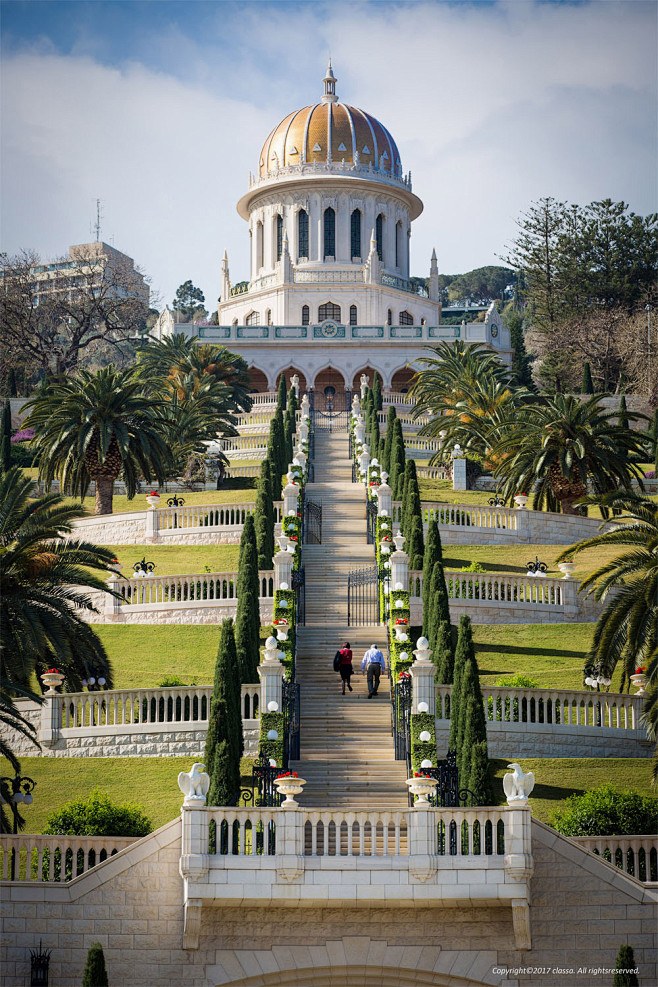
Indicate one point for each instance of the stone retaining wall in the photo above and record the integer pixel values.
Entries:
(519, 740)
(211, 613)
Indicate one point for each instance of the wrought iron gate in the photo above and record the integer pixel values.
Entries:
(371, 518)
(299, 586)
(330, 421)
(263, 791)
(290, 722)
(402, 720)
(313, 526)
(363, 596)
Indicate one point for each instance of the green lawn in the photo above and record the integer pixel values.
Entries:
(441, 491)
(150, 782)
(513, 558)
(144, 655)
(558, 778)
(172, 560)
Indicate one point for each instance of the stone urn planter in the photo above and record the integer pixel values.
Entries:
(421, 787)
(567, 568)
(53, 680)
(521, 500)
(282, 627)
(289, 785)
(153, 499)
(385, 548)
(639, 680)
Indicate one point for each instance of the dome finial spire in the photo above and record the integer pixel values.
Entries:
(329, 85)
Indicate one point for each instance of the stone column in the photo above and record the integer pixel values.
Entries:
(364, 461)
(519, 867)
(282, 563)
(290, 495)
(304, 407)
(423, 861)
(302, 432)
(270, 673)
(399, 564)
(384, 496)
(112, 607)
(50, 725)
(458, 469)
(152, 525)
(289, 843)
(422, 674)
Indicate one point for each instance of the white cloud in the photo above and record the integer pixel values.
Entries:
(491, 106)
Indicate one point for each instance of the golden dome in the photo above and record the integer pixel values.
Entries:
(329, 133)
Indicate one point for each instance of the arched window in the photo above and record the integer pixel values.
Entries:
(253, 319)
(305, 315)
(379, 233)
(353, 315)
(259, 245)
(329, 232)
(406, 319)
(389, 318)
(398, 244)
(279, 235)
(302, 233)
(329, 311)
(355, 233)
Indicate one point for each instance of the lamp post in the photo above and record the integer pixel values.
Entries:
(15, 790)
(144, 568)
(595, 679)
(175, 501)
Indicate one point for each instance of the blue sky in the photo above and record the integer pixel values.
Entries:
(160, 109)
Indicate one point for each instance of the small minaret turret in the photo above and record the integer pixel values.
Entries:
(226, 279)
(285, 264)
(373, 268)
(330, 81)
(434, 278)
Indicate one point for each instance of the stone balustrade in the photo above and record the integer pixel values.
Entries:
(636, 855)
(553, 723)
(417, 443)
(431, 472)
(55, 859)
(322, 856)
(397, 398)
(129, 707)
(507, 599)
(263, 397)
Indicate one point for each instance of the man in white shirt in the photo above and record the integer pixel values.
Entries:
(373, 665)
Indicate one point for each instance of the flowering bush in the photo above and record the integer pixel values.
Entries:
(404, 675)
(651, 475)
(23, 435)
(288, 774)
(280, 620)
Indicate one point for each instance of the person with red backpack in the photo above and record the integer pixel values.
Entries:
(343, 664)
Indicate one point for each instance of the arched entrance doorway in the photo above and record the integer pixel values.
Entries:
(289, 373)
(402, 380)
(329, 390)
(370, 374)
(258, 380)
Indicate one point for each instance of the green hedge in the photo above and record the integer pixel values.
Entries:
(422, 750)
(271, 748)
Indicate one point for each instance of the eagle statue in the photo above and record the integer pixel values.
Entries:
(194, 784)
(517, 786)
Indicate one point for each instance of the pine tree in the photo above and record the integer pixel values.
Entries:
(95, 974)
(433, 553)
(224, 742)
(5, 438)
(625, 962)
(247, 615)
(386, 460)
(478, 780)
(264, 517)
(443, 654)
(397, 461)
(415, 547)
(462, 650)
(588, 383)
(439, 605)
(622, 421)
(377, 393)
(281, 394)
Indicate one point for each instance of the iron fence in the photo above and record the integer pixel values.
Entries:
(371, 519)
(363, 596)
(263, 792)
(402, 720)
(330, 421)
(313, 523)
(299, 586)
(290, 721)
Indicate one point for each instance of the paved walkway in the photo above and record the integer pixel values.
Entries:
(347, 754)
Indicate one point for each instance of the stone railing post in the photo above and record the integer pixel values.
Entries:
(399, 564)
(270, 673)
(290, 495)
(364, 462)
(569, 589)
(152, 525)
(384, 496)
(282, 563)
(50, 724)
(519, 867)
(458, 469)
(422, 674)
(524, 522)
(112, 607)
(289, 843)
(423, 860)
(302, 432)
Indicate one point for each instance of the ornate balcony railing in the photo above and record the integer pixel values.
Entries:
(55, 859)
(636, 855)
(458, 516)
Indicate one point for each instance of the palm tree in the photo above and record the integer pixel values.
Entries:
(565, 446)
(627, 630)
(97, 426)
(44, 583)
(452, 374)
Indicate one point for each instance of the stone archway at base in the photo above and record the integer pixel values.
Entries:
(401, 379)
(355, 961)
(258, 380)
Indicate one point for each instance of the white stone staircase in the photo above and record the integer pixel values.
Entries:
(347, 754)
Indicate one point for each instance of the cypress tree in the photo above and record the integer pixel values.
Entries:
(11, 383)
(464, 643)
(465, 730)
(5, 438)
(278, 449)
(293, 403)
(380, 451)
(95, 973)
(392, 415)
(281, 394)
(478, 780)
(622, 421)
(588, 383)
(377, 393)
(655, 440)
(433, 553)
(224, 739)
(373, 429)
(443, 654)
(411, 505)
(625, 962)
(397, 461)
(439, 606)
(415, 547)
(247, 615)
(264, 517)
(288, 434)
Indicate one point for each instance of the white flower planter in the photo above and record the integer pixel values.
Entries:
(152, 501)
(53, 680)
(290, 787)
(639, 681)
(421, 787)
(520, 500)
(567, 568)
(282, 632)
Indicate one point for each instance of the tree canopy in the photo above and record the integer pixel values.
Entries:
(189, 303)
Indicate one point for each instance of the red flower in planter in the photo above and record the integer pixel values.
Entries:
(404, 675)
(419, 774)
(154, 493)
(293, 537)
(402, 620)
(641, 670)
(52, 671)
(288, 774)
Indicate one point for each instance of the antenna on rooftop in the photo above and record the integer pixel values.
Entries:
(96, 227)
